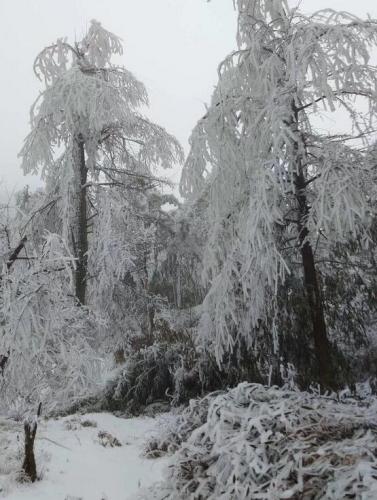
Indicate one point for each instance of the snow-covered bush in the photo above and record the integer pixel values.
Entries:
(51, 343)
(164, 370)
(268, 443)
(145, 378)
(169, 437)
(170, 366)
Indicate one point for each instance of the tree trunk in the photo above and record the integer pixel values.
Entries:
(30, 427)
(80, 232)
(3, 361)
(321, 343)
(29, 467)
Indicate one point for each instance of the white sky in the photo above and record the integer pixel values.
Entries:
(173, 46)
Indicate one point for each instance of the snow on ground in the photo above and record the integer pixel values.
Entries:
(73, 462)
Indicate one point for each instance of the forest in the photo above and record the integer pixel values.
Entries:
(230, 324)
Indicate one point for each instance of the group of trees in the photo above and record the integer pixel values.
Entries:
(269, 260)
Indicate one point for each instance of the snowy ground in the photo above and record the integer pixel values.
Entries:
(74, 464)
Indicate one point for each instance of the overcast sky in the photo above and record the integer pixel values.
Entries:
(173, 46)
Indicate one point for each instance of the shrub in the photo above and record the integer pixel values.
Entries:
(269, 443)
(174, 370)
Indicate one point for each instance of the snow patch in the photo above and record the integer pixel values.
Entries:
(72, 462)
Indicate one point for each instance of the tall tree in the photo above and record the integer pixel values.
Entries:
(280, 190)
(87, 132)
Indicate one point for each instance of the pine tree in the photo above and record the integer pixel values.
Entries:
(87, 132)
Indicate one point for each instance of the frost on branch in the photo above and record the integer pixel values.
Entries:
(99, 45)
(95, 50)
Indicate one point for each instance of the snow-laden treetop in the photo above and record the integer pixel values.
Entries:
(94, 51)
(87, 95)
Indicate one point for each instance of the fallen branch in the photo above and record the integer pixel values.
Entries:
(14, 255)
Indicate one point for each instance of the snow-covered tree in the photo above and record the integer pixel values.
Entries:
(85, 237)
(87, 132)
(126, 243)
(49, 348)
(281, 191)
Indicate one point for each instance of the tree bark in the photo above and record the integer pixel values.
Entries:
(322, 346)
(30, 427)
(3, 361)
(321, 343)
(80, 233)
(14, 255)
(29, 467)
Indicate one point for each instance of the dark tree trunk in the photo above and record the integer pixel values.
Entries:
(151, 315)
(314, 296)
(80, 234)
(29, 467)
(30, 427)
(322, 345)
(3, 361)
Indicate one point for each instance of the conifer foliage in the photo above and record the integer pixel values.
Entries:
(87, 133)
(280, 191)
